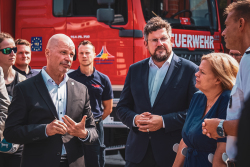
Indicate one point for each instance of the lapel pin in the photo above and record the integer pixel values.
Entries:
(72, 83)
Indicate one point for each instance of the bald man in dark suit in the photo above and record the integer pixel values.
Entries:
(50, 113)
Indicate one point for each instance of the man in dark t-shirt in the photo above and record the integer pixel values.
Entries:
(100, 93)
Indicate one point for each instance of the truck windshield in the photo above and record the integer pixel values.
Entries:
(183, 14)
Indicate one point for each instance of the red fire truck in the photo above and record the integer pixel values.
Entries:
(115, 27)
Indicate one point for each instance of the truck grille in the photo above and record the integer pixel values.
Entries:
(194, 56)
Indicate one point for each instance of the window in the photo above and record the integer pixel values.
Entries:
(61, 8)
(200, 14)
(84, 8)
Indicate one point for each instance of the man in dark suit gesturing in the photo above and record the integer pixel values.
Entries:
(50, 113)
(155, 99)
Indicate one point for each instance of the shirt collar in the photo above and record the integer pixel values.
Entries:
(167, 62)
(30, 70)
(248, 50)
(48, 79)
(23, 72)
(80, 73)
(18, 70)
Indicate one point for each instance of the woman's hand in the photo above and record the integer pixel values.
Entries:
(217, 161)
(179, 159)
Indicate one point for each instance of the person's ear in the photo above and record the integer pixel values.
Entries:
(242, 23)
(47, 52)
(146, 44)
(218, 81)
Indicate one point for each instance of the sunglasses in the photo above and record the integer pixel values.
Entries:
(7, 51)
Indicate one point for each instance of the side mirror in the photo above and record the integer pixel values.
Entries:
(105, 15)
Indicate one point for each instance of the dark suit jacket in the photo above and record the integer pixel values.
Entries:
(32, 109)
(171, 102)
(243, 143)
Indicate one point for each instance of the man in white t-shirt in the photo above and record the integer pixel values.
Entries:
(237, 37)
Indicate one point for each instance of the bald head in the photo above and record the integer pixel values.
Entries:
(56, 39)
(59, 52)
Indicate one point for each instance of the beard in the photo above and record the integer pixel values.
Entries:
(159, 57)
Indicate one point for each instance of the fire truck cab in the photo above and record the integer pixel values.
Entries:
(115, 27)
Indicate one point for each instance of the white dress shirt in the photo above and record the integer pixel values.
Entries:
(239, 94)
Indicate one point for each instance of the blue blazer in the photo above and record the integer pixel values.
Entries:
(171, 103)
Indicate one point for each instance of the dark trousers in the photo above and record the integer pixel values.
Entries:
(94, 154)
(147, 161)
(10, 160)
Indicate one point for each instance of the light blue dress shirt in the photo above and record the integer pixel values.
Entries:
(58, 94)
(156, 76)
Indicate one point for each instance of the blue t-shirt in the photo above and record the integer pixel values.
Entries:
(99, 89)
(199, 145)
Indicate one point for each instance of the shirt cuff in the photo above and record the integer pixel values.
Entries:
(163, 126)
(45, 131)
(134, 121)
(83, 140)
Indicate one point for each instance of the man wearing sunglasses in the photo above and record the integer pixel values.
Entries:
(23, 58)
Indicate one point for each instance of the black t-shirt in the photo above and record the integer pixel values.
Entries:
(10, 87)
(99, 89)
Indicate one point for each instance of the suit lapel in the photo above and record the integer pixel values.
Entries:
(144, 74)
(172, 70)
(42, 89)
(70, 91)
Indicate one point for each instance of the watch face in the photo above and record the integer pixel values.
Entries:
(220, 131)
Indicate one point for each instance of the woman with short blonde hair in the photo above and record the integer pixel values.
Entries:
(215, 80)
(224, 67)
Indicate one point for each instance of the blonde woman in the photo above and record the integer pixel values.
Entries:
(215, 79)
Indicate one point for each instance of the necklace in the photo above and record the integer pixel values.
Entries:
(212, 103)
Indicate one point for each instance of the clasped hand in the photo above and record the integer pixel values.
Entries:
(68, 126)
(148, 122)
(209, 127)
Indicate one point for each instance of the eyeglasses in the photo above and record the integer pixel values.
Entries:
(155, 40)
(7, 51)
(234, 54)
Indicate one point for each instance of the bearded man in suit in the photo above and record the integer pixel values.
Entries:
(155, 99)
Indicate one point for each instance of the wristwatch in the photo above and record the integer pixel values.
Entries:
(220, 129)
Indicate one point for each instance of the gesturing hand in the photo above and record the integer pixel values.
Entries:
(56, 127)
(76, 129)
